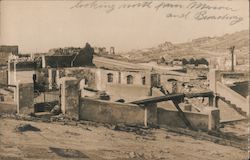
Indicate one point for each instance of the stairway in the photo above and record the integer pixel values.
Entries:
(237, 109)
(233, 99)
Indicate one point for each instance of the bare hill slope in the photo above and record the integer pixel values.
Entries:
(202, 47)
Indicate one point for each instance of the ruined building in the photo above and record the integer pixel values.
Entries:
(5, 52)
(82, 57)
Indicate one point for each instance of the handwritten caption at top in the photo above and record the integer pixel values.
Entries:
(199, 11)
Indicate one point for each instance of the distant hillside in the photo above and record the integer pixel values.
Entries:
(202, 47)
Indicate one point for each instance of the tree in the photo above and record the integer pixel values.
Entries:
(192, 61)
(184, 61)
(162, 60)
(203, 61)
(85, 57)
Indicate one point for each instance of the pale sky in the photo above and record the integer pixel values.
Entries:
(37, 26)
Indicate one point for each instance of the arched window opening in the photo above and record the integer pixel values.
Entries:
(143, 80)
(130, 79)
(110, 78)
(86, 82)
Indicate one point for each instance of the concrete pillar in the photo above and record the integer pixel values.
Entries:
(214, 76)
(57, 77)
(25, 98)
(150, 114)
(70, 97)
(43, 61)
(16, 94)
(146, 116)
(211, 101)
(235, 60)
(14, 71)
(50, 78)
(213, 119)
(9, 70)
(98, 79)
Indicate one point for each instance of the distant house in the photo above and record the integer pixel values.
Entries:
(177, 62)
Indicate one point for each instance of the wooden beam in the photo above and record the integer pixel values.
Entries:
(160, 99)
(7, 85)
(182, 115)
(199, 94)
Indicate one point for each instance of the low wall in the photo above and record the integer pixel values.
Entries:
(114, 113)
(8, 107)
(200, 121)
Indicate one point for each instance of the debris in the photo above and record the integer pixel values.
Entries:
(120, 100)
(167, 137)
(136, 129)
(103, 95)
(132, 155)
(68, 153)
(27, 127)
(56, 110)
(73, 133)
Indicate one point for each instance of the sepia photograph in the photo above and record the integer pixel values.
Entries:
(124, 80)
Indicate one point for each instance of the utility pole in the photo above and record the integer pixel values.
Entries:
(232, 54)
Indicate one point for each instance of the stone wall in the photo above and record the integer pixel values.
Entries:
(8, 107)
(120, 77)
(115, 113)
(82, 73)
(202, 121)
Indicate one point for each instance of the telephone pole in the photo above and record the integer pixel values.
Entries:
(232, 59)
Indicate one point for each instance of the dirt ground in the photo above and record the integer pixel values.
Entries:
(58, 141)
